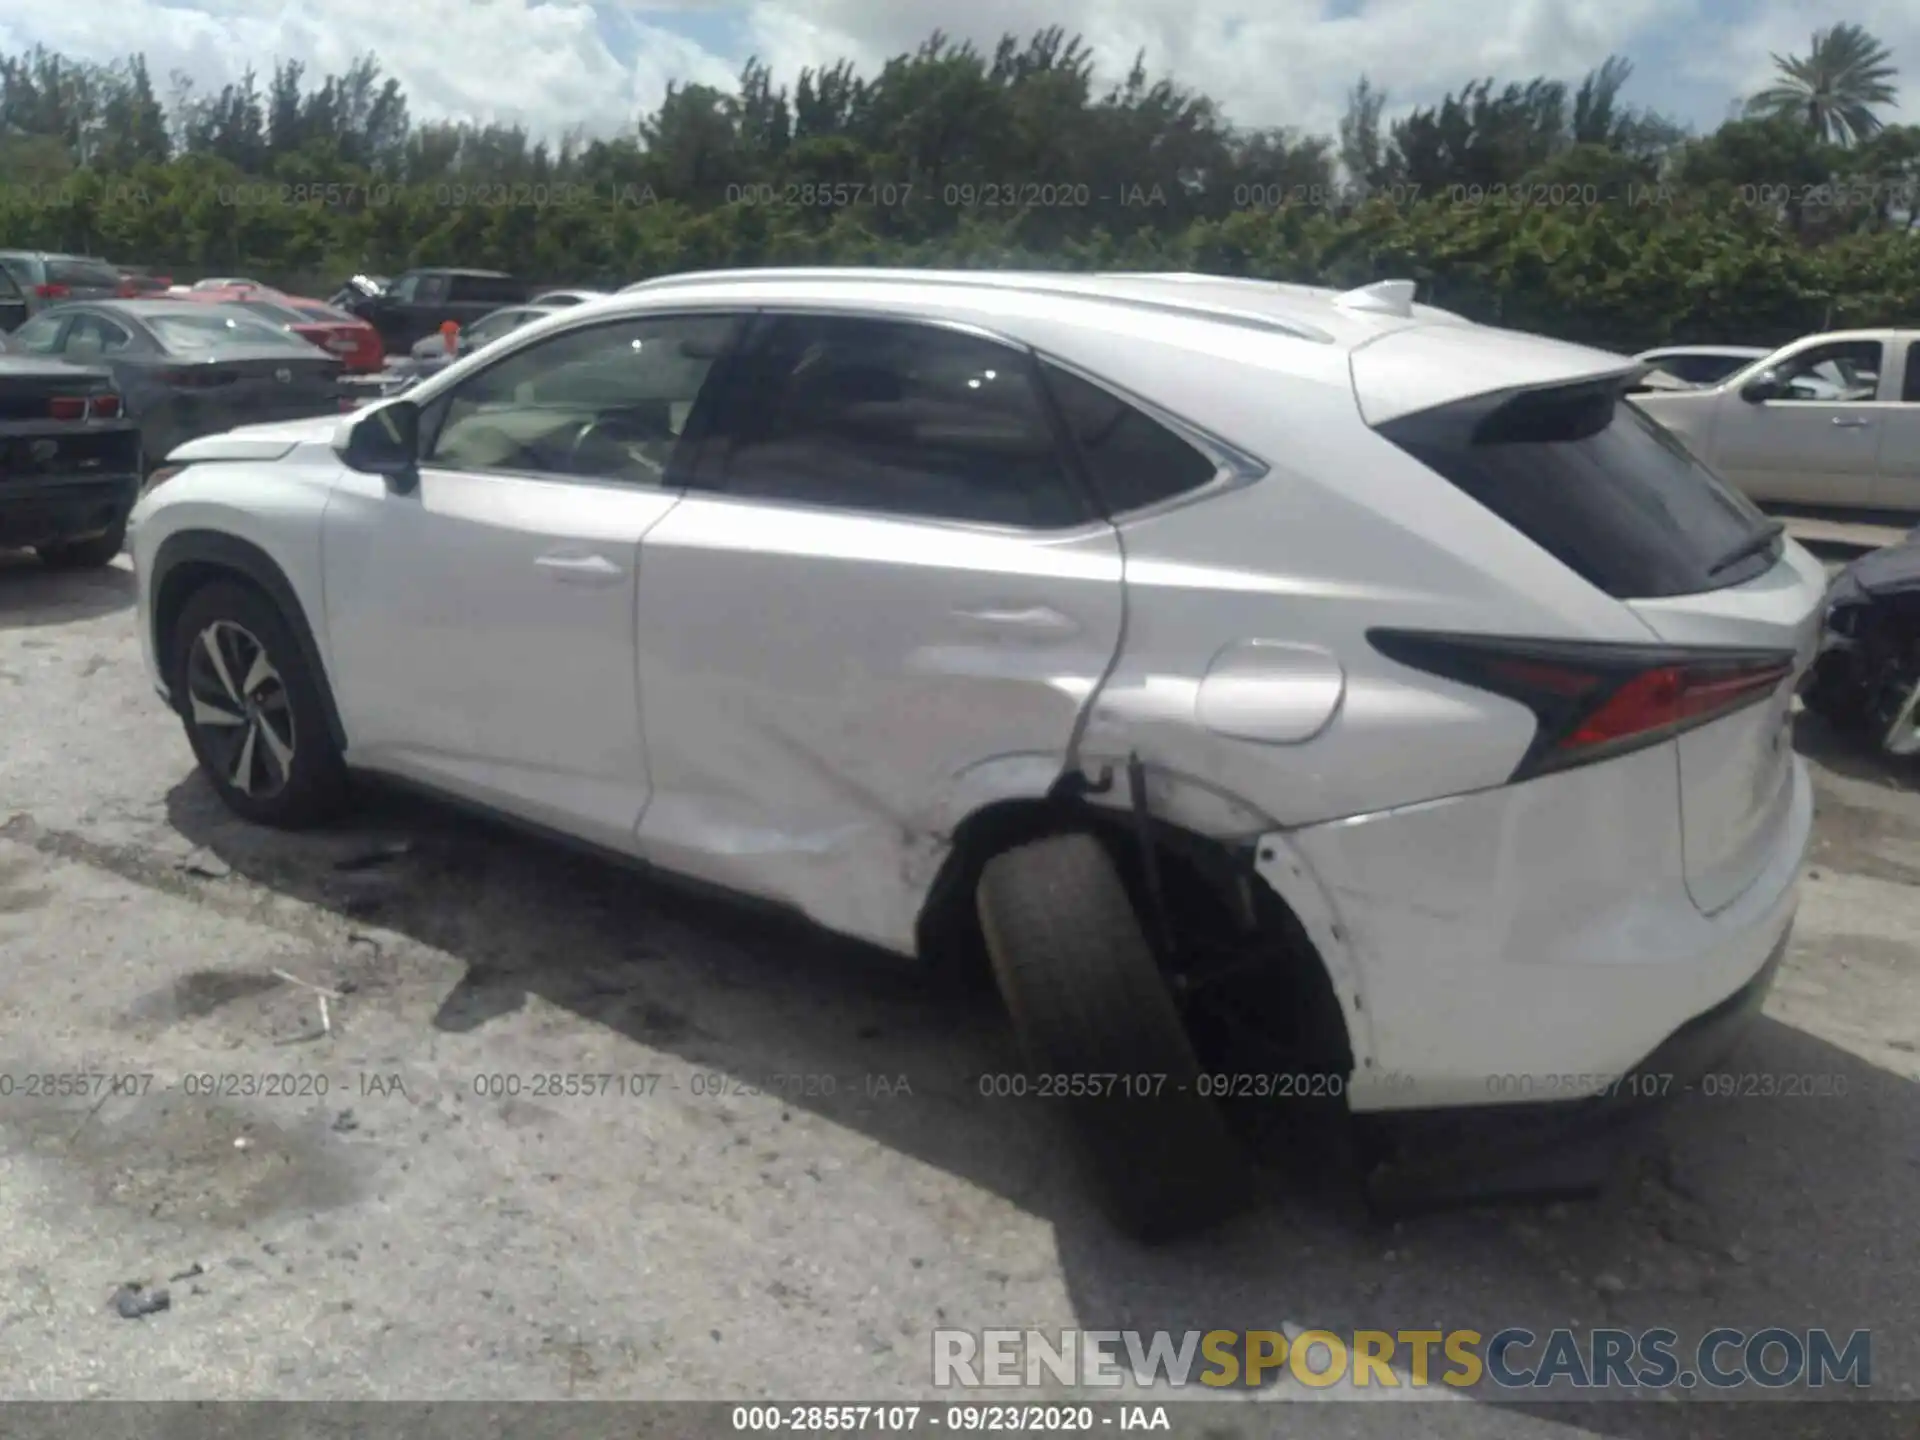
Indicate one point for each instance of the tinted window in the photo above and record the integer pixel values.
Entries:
(74, 271)
(1700, 369)
(610, 402)
(405, 289)
(1132, 458)
(1595, 483)
(487, 290)
(1846, 371)
(430, 290)
(1910, 388)
(906, 419)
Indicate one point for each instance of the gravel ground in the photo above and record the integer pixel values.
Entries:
(405, 1236)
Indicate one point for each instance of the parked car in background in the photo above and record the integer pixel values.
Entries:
(1829, 420)
(1278, 682)
(186, 369)
(46, 277)
(358, 288)
(354, 342)
(14, 307)
(430, 355)
(137, 281)
(229, 282)
(1867, 679)
(69, 460)
(1701, 364)
(568, 297)
(419, 302)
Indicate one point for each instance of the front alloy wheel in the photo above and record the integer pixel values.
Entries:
(254, 707)
(239, 703)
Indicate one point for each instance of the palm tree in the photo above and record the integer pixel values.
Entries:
(1835, 88)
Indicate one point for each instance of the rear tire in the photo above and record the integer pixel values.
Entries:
(1079, 980)
(258, 693)
(89, 554)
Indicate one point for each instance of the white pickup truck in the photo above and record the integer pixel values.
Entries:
(1828, 420)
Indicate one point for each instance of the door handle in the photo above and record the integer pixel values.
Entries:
(1843, 422)
(1035, 619)
(577, 569)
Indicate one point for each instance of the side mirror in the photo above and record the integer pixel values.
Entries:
(386, 441)
(1764, 386)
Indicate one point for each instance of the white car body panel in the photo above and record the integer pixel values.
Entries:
(805, 704)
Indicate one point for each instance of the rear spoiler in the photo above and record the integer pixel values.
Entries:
(1432, 367)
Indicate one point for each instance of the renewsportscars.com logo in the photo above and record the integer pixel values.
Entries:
(1510, 1359)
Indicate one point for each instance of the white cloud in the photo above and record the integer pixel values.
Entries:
(554, 64)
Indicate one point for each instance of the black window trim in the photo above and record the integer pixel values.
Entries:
(703, 472)
(1234, 468)
(433, 410)
(1910, 371)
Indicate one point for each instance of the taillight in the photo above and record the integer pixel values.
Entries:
(51, 292)
(1594, 700)
(67, 407)
(104, 407)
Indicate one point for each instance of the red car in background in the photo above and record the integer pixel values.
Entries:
(352, 341)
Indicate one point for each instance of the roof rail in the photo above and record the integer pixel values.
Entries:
(1064, 284)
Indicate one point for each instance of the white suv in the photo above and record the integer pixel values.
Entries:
(1310, 699)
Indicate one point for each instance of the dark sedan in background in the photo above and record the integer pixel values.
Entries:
(187, 370)
(69, 460)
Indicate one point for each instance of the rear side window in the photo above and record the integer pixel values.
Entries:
(487, 290)
(1699, 369)
(22, 268)
(902, 419)
(74, 271)
(1133, 460)
(1591, 480)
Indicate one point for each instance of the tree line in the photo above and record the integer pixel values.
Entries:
(1532, 203)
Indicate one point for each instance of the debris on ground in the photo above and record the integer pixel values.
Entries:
(206, 865)
(187, 1274)
(344, 1122)
(133, 1301)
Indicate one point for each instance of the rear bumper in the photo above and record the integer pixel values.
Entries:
(1536, 944)
(43, 512)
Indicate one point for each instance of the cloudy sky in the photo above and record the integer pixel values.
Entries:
(553, 64)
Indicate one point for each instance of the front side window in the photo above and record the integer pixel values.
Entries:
(430, 290)
(898, 418)
(607, 402)
(1844, 372)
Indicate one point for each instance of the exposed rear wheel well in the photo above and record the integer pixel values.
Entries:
(1210, 893)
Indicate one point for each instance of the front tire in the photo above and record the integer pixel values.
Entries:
(1087, 999)
(88, 554)
(253, 709)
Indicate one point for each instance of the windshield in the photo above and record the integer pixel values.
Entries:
(217, 328)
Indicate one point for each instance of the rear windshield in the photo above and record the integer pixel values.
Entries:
(274, 314)
(76, 271)
(197, 334)
(1595, 483)
(326, 314)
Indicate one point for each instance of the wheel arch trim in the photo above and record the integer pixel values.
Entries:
(215, 550)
